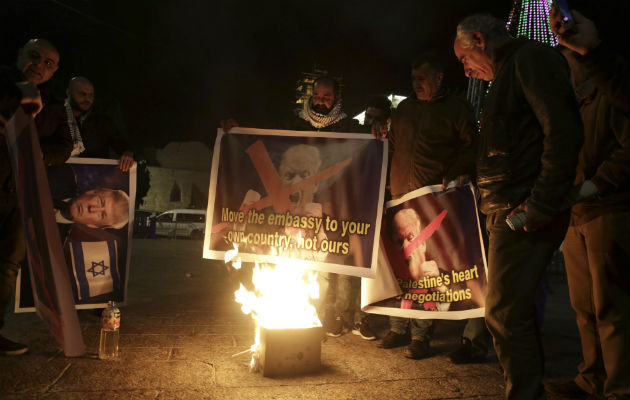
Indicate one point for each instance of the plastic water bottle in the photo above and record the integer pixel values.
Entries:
(110, 322)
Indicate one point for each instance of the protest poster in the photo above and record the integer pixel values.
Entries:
(288, 196)
(432, 261)
(93, 203)
(52, 295)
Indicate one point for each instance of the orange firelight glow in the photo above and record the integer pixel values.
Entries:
(281, 298)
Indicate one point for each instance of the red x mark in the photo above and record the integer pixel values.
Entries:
(425, 234)
(278, 194)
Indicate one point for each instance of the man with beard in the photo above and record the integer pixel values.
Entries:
(530, 138)
(36, 63)
(432, 141)
(321, 112)
(93, 133)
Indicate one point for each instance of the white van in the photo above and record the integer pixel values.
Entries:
(181, 223)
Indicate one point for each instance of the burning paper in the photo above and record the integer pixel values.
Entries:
(281, 305)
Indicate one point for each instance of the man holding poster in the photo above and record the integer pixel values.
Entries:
(36, 63)
(432, 141)
(323, 112)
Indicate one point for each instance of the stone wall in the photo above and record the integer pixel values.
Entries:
(176, 188)
(180, 176)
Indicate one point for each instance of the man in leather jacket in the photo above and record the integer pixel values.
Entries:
(530, 137)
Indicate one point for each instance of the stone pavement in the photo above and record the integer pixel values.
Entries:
(181, 330)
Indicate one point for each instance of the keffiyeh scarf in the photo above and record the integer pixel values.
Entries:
(74, 130)
(322, 120)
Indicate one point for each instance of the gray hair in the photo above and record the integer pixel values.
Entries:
(490, 27)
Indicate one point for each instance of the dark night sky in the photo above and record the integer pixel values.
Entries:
(176, 68)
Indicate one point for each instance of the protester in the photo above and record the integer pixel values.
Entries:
(323, 112)
(378, 109)
(597, 244)
(36, 63)
(93, 133)
(530, 136)
(432, 140)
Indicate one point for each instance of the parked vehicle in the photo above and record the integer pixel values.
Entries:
(181, 223)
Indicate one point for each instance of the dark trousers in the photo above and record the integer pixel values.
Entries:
(422, 329)
(596, 255)
(516, 263)
(342, 297)
(12, 252)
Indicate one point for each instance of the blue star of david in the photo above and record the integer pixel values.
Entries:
(94, 270)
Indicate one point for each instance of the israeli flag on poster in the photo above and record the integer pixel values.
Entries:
(94, 265)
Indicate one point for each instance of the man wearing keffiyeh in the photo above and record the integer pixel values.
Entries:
(323, 110)
(93, 134)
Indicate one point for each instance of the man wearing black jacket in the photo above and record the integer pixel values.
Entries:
(93, 133)
(432, 141)
(530, 137)
(37, 62)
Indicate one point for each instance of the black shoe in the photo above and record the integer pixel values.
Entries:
(568, 389)
(335, 328)
(417, 350)
(467, 354)
(393, 339)
(363, 329)
(11, 348)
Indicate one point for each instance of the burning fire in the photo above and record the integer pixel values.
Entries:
(281, 298)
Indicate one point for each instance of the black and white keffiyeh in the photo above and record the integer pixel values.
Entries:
(74, 130)
(322, 120)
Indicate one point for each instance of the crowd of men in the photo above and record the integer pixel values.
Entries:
(551, 146)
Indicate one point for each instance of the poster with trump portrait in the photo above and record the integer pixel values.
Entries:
(432, 261)
(293, 196)
(93, 204)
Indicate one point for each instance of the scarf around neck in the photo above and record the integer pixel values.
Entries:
(322, 120)
(74, 130)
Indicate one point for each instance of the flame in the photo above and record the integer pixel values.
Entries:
(281, 298)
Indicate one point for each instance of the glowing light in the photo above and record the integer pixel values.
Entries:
(282, 298)
(530, 19)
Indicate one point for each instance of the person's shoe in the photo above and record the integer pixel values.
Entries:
(363, 329)
(568, 389)
(393, 339)
(466, 354)
(335, 327)
(417, 350)
(11, 348)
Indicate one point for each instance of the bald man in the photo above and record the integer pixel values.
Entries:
(37, 61)
(94, 134)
